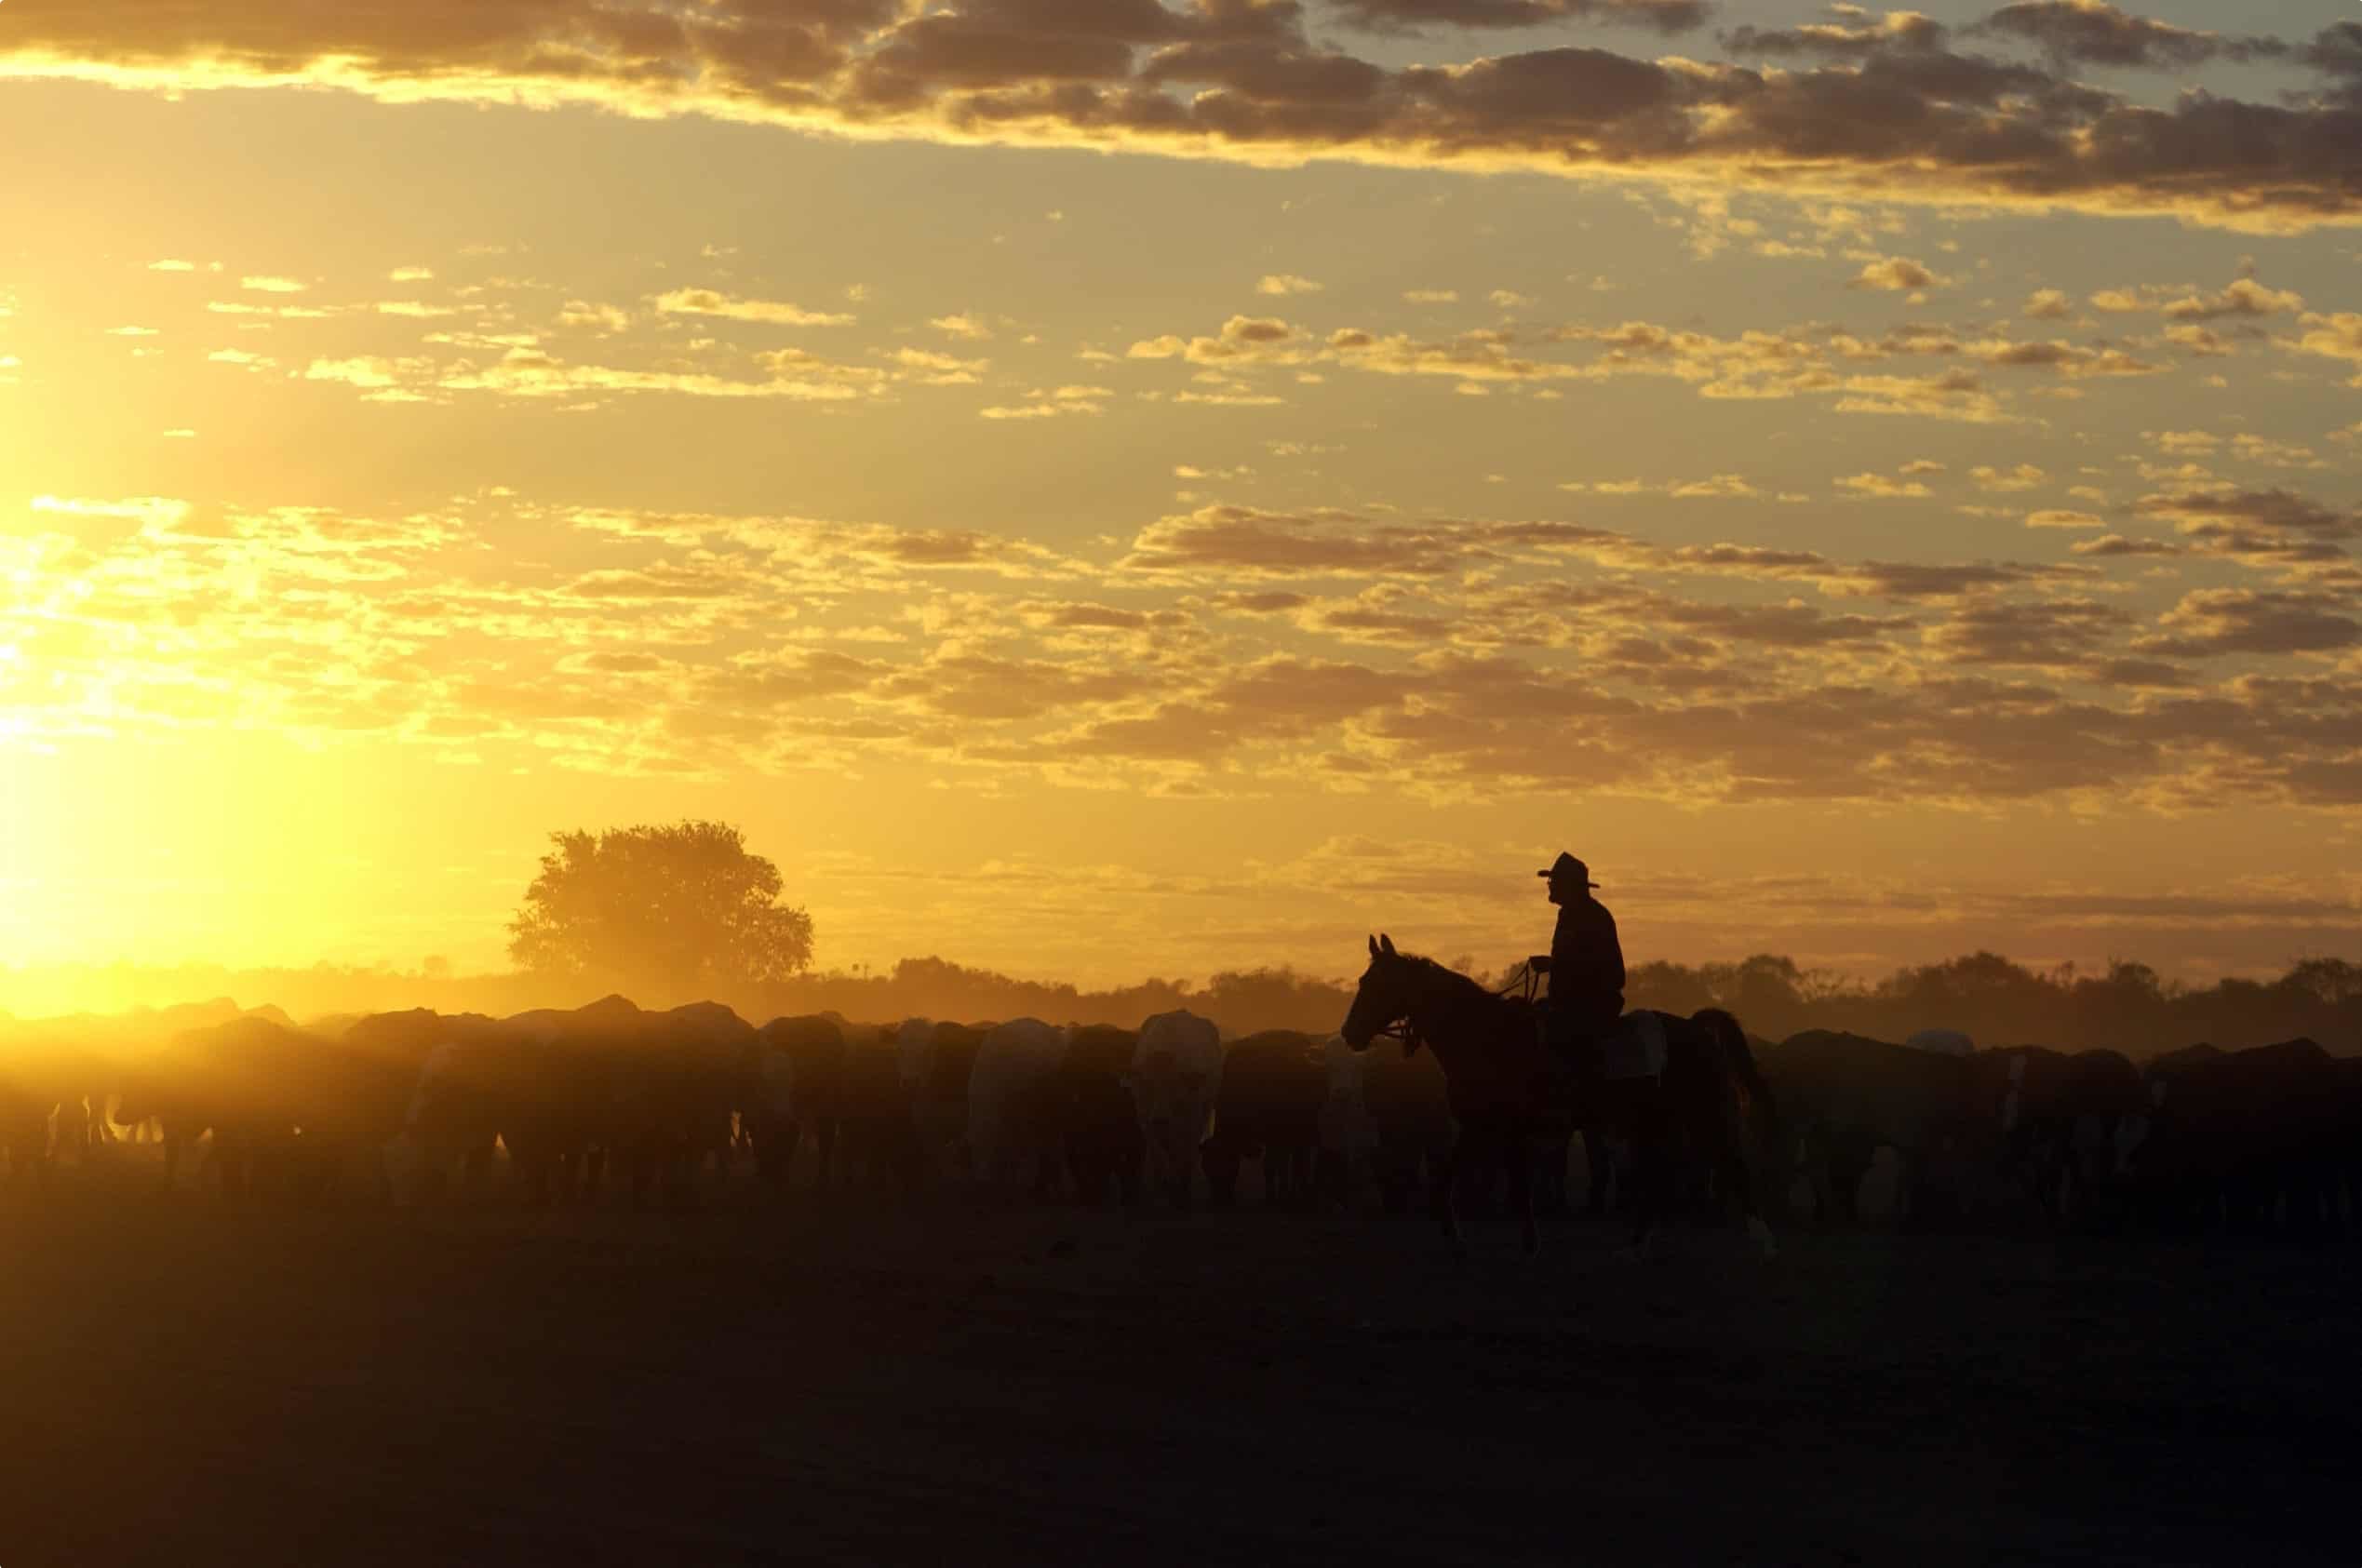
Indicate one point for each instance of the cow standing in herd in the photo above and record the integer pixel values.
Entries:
(419, 1107)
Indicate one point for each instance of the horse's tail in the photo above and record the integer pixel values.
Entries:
(1740, 1058)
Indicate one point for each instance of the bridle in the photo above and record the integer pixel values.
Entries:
(1525, 984)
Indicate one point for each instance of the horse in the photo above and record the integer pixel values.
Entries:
(1510, 1091)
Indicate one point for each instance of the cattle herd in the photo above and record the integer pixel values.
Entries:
(684, 1105)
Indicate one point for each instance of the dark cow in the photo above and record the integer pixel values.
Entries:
(798, 1092)
(473, 1087)
(1842, 1097)
(1105, 1151)
(2061, 1124)
(678, 1089)
(940, 1106)
(1274, 1086)
(30, 1090)
(2251, 1140)
(1410, 1114)
(878, 1131)
(572, 1077)
(245, 1082)
(359, 1088)
(561, 1092)
(2104, 1118)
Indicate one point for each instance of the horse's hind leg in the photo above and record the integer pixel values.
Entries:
(1456, 1166)
(1518, 1150)
(1599, 1162)
(1738, 1178)
(1652, 1175)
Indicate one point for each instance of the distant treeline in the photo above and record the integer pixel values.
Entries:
(2127, 1006)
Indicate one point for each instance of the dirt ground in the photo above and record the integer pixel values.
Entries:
(193, 1384)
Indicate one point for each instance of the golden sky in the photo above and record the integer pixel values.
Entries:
(1103, 488)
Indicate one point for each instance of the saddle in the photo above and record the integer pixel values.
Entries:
(1633, 1048)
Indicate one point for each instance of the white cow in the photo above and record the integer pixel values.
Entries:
(1176, 1073)
(1011, 1123)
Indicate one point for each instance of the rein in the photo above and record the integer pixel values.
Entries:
(1523, 984)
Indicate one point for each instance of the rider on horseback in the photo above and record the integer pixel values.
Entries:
(1585, 963)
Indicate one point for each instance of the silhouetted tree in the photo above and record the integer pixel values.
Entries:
(683, 909)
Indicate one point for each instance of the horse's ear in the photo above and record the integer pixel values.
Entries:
(1373, 947)
(1385, 944)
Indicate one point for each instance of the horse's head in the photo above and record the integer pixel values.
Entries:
(1388, 992)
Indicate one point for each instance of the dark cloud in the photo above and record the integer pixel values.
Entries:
(2095, 32)
(2117, 545)
(1239, 541)
(1664, 16)
(2048, 633)
(2221, 620)
(1888, 107)
(1909, 580)
(2273, 527)
(1854, 38)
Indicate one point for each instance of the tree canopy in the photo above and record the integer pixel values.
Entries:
(683, 908)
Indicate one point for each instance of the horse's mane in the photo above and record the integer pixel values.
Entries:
(1428, 968)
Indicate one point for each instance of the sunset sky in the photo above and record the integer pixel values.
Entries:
(1100, 489)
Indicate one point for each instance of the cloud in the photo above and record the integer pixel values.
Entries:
(1245, 542)
(1870, 109)
(2216, 622)
(1663, 16)
(2056, 518)
(1064, 400)
(2096, 33)
(1242, 338)
(1880, 484)
(365, 370)
(1458, 660)
(2337, 336)
(1283, 284)
(960, 327)
(1855, 36)
(2116, 546)
(2243, 297)
(2073, 361)
(2273, 527)
(2047, 304)
(584, 314)
(2025, 477)
(273, 285)
(1897, 273)
(2049, 632)
(706, 302)
(1719, 487)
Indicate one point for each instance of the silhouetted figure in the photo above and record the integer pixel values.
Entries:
(1585, 963)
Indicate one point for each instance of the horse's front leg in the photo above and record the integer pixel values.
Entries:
(1518, 1149)
(1456, 1165)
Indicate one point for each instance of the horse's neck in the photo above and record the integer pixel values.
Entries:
(1458, 1019)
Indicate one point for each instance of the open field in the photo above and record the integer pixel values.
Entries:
(187, 1383)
